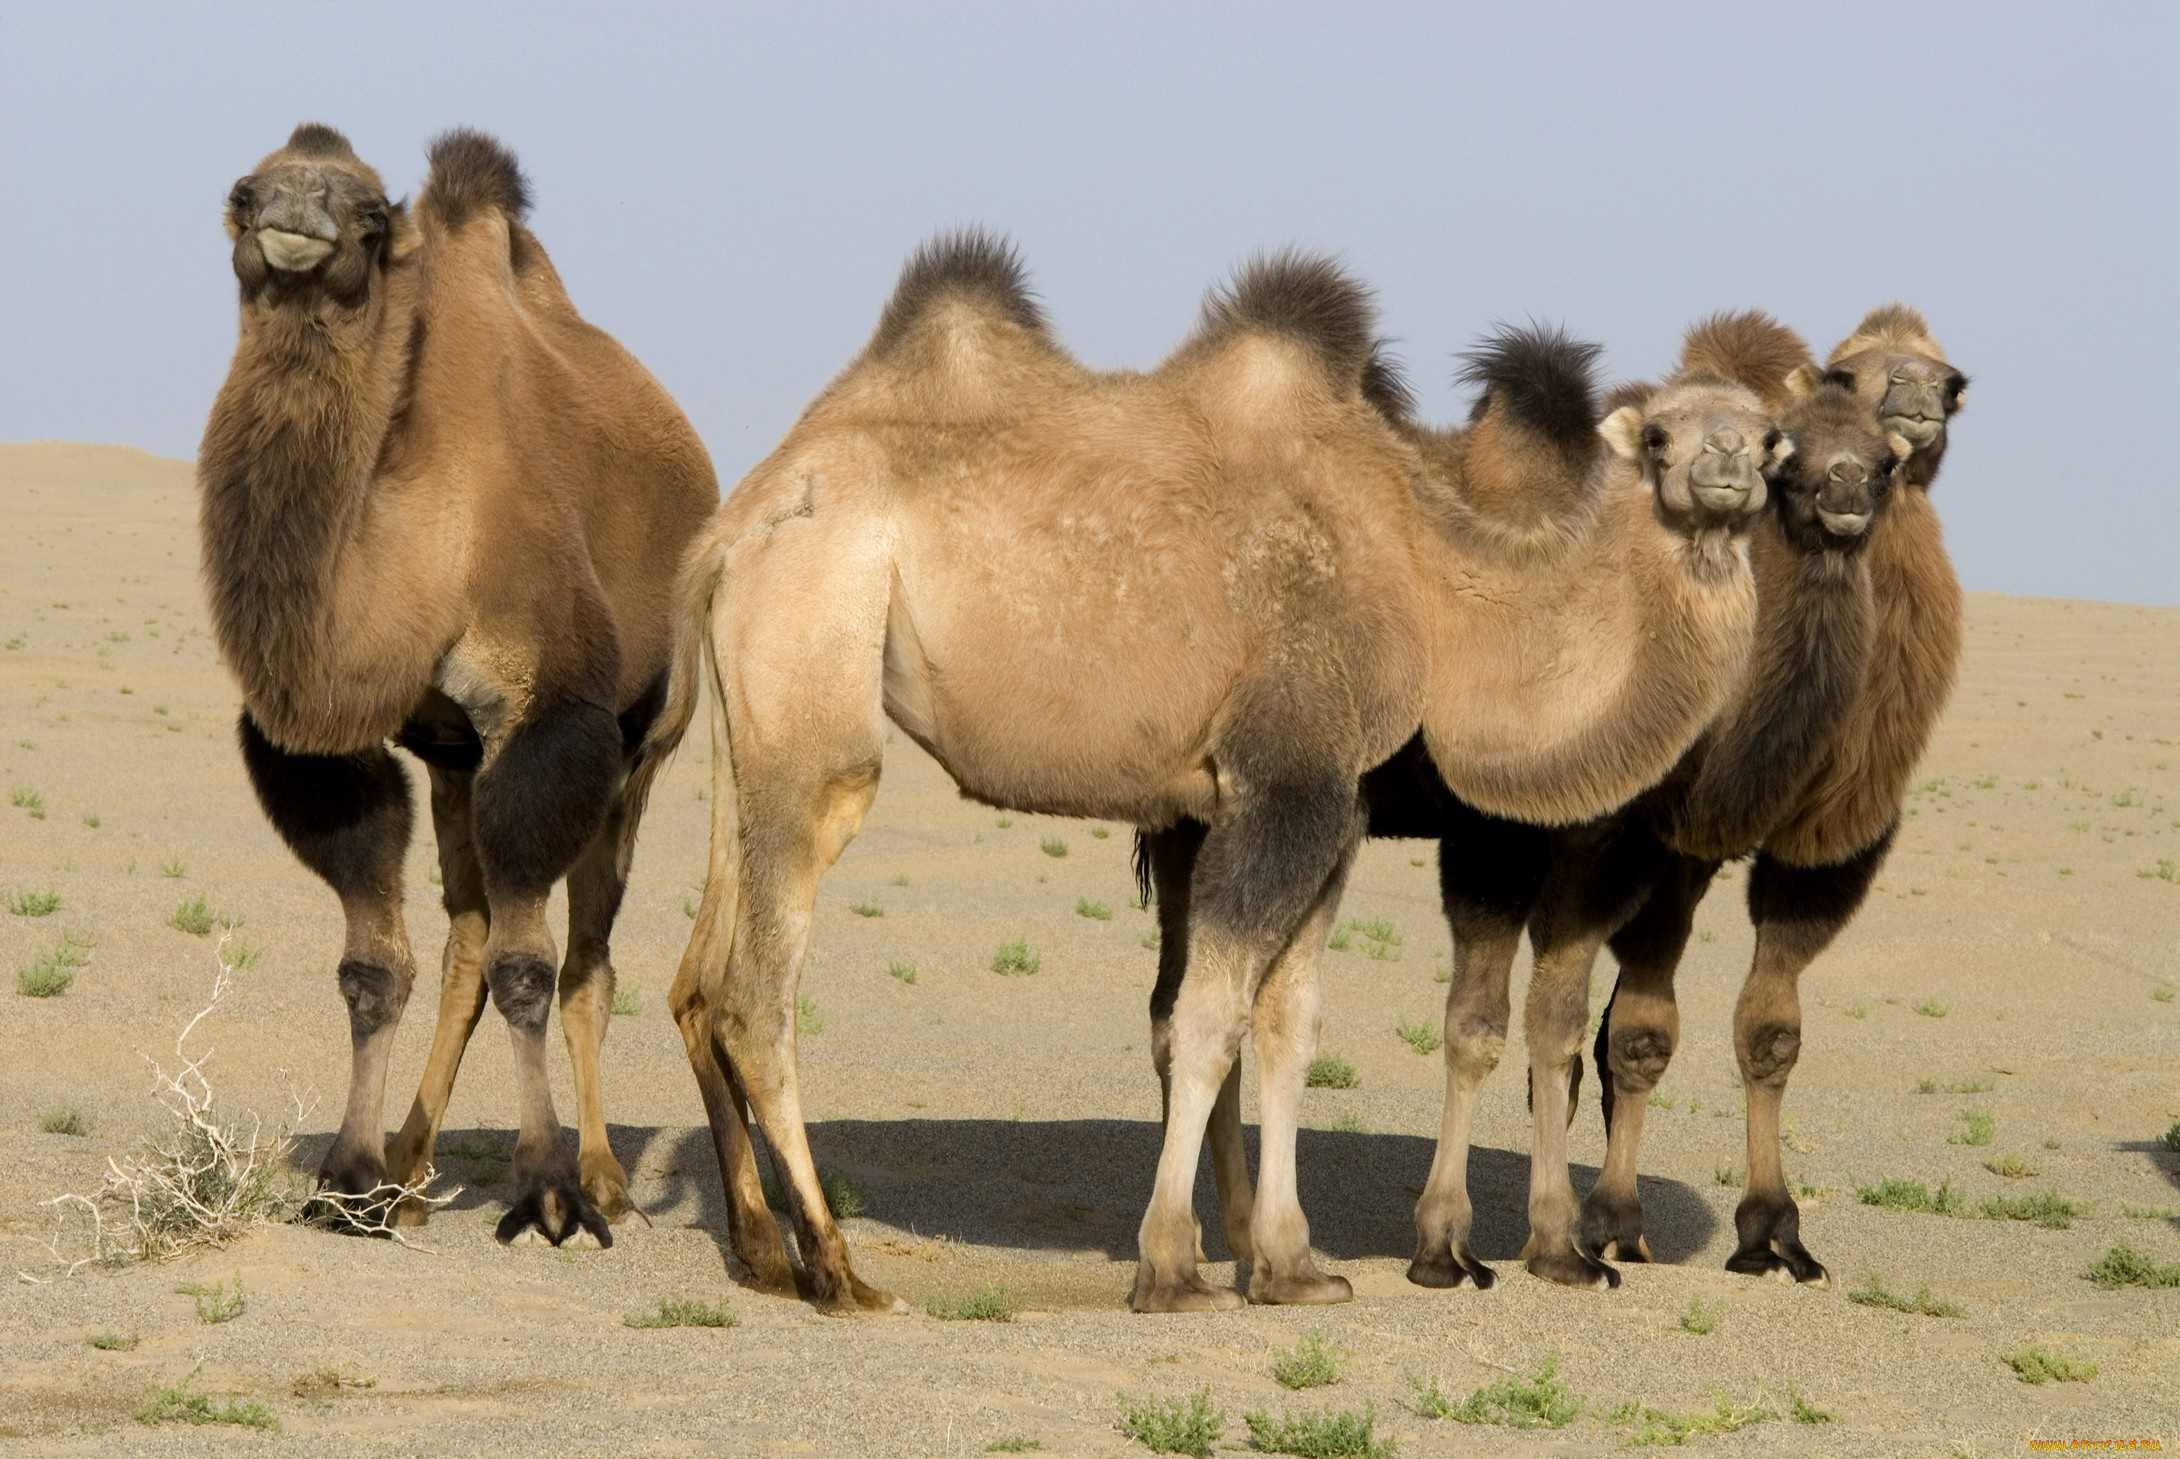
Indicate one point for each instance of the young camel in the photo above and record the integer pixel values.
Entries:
(437, 509)
(1813, 619)
(1217, 591)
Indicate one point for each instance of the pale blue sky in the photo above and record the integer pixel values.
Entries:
(730, 190)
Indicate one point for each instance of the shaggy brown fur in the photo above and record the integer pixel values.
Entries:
(439, 507)
(1749, 346)
(1213, 592)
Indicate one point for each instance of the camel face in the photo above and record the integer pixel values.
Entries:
(1703, 446)
(311, 220)
(1840, 470)
(1915, 396)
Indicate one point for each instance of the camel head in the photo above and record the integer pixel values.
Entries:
(312, 222)
(1703, 445)
(1893, 365)
(1831, 485)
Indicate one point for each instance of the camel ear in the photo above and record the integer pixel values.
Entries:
(1784, 449)
(1623, 431)
(401, 236)
(1900, 444)
(1803, 382)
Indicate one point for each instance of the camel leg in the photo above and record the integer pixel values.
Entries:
(1797, 912)
(1635, 1042)
(544, 792)
(1285, 1033)
(461, 983)
(595, 886)
(1169, 859)
(1489, 873)
(347, 818)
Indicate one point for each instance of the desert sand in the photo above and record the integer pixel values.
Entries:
(2023, 946)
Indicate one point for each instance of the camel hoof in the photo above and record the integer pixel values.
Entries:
(1790, 1264)
(1308, 1287)
(607, 1188)
(1620, 1249)
(1183, 1294)
(1570, 1268)
(1444, 1269)
(859, 1299)
(554, 1212)
(410, 1212)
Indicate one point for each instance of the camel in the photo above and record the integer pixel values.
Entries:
(1568, 883)
(1214, 592)
(440, 509)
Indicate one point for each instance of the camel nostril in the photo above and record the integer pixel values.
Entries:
(1726, 441)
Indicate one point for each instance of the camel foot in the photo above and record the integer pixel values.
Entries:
(1188, 1293)
(1612, 1227)
(1560, 1262)
(606, 1184)
(1784, 1261)
(1303, 1287)
(855, 1298)
(1448, 1267)
(1769, 1226)
(553, 1212)
(409, 1212)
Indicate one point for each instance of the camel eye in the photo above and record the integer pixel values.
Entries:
(1772, 438)
(239, 199)
(1886, 464)
(1844, 378)
(1654, 437)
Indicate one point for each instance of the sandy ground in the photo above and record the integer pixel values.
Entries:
(1002, 1129)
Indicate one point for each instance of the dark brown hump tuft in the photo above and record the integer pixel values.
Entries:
(1545, 380)
(972, 264)
(316, 139)
(1385, 386)
(1309, 298)
(1747, 346)
(471, 171)
(1629, 392)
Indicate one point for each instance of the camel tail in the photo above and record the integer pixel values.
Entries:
(1544, 380)
(696, 658)
(1309, 298)
(473, 173)
(685, 667)
(972, 265)
(1748, 347)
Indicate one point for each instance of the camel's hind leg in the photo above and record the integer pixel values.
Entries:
(347, 818)
(1170, 858)
(1797, 912)
(1489, 872)
(1635, 1042)
(461, 981)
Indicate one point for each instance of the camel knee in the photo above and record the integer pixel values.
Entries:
(1474, 1048)
(1769, 1050)
(375, 995)
(1638, 1055)
(522, 990)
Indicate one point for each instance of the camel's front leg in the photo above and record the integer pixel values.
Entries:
(1553, 1018)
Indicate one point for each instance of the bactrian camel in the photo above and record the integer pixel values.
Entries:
(440, 509)
(1813, 620)
(1217, 591)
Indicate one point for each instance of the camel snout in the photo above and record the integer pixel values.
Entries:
(294, 230)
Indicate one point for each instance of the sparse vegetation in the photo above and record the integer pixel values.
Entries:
(1858, 1010)
(627, 1003)
(26, 798)
(1150, 940)
(1014, 1444)
(1953, 1086)
(1913, 1195)
(1330, 1071)
(43, 979)
(1053, 846)
(870, 907)
(807, 1018)
(65, 1119)
(2047, 1208)
(1803, 1411)
(182, 1404)
(1095, 911)
(1655, 1428)
(115, 1342)
(1539, 1401)
(902, 972)
(1099, 833)
(684, 1312)
(215, 1304)
(1701, 1318)
(843, 1197)
(172, 869)
(325, 1379)
(1977, 1128)
(1170, 1426)
(2034, 1365)
(1310, 1363)
(33, 904)
(2170, 1139)
(1928, 1007)
(1872, 1293)
(2123, 1266)
(193, 917)
(1322, 1435)
(1015, 959)
(990, 1302)
(1423, 1035)
(2012, 1167)
(1726, 1175)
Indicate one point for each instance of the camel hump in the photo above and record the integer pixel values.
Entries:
(471, 172)
(1543, 379)
(972, 266)
(1748, 347)
(1892, 326)
(1310, 299)
(316, 139)
(1629, 392)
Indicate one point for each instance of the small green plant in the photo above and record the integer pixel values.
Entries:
(1170, 1426)
(2012, 1167)
(325, 1380)
(1150, 940)
(1726, 1175)
(90, 818)
(65, 1119)
(1913, 1195)
(901, 880)
(1099, 833)
(1095, 911)
(1322, 1435)
(1655, 1428)
(2162, 993)
(1015, 959)
(2047, 1208)
(868, 908)
(1803, 1411)
(26, 798)
(242, 956)
(1872, 1293)
(2034, 1365)
(1340, 940)
(171, 869)
(1310, 1363)
(114, 1342)
(2170, 1139)
(1053, 846)
(215, 1304)
(1424, 1036)
(1858, 1010)
(1953, 1086)
(43, 979)
(684, 1312)
(1657, 1100)
(33, 904)
(1004, 822)
(807, 1018)
(1539, 1401)
(182, 1404)
(2123, 1266)
(1016, 1444)
(1978, 1126)
(1700, 1318)
(988, 1303)
(1347, 1122)
(1330, 1071)
(1928, 1007)
(627, 1003)
(843, 1197)
(902, 972)
(194, 918)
